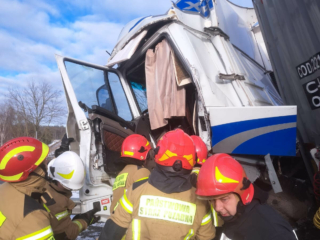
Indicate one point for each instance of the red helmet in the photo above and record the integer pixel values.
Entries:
(201, 149)
(176, 145)
(19, 157)
(222, 174)
(135, 146)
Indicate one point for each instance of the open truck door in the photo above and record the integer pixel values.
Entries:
(102, 113)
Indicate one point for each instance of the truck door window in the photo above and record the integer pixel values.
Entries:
(122, 106)
(104, 99)
(91, 86)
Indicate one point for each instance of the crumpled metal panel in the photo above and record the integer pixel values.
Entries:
(291, 29)
(236, 21)
(134, 28)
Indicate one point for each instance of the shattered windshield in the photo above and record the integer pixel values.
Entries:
(140, 92)
(91, 87)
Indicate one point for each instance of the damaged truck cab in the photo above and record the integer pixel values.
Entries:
(205, 70)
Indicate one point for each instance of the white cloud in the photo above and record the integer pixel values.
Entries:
(29, 44)
(89, 37)
(33, 31)
(23, 54)
(30, 38)
(28, 20)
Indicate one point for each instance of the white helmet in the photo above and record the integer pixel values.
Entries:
(67, 169)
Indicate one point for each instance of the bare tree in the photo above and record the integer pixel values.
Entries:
(7, 116)
(38, 104)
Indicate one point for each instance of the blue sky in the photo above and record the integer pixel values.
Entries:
(33, 31)
(243, 3)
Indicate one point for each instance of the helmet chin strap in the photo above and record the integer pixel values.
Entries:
(240, 210)
(46, 177)
(227, 219)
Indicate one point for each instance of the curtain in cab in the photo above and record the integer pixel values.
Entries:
(163, 74)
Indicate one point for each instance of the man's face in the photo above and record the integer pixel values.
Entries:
(226, 204)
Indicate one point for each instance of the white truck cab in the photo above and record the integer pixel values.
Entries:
(231, 102)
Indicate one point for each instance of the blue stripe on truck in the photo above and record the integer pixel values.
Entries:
(276, 141)
(223, 131)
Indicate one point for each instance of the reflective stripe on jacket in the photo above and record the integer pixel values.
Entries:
(21, 216)
(60, 206)
(125, 179)
(148, 213)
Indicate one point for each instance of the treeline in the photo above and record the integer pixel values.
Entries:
(35, 110)
(17, 128)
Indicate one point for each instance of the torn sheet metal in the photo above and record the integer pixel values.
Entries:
(134, 28)
(126, 53)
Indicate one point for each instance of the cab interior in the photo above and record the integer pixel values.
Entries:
(134, 73)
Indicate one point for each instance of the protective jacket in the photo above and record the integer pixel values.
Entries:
(217, 221)
(150, 213)
(258, 221)
(60, 206)
(21, 214)
(125, 179)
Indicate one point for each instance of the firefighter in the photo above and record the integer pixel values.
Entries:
(201, 156)
(201, 153)
(165, 205)
(135, 151)
(68, 173)
(24, 172)
(240, 204)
